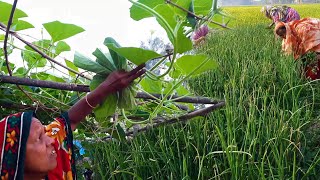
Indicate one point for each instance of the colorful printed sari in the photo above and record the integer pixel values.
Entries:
(14, 132)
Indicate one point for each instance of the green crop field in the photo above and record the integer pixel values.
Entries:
(269, 128)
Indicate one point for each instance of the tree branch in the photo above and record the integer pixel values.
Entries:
(3, 27)
(85, 88)
(5, 43)
(163, 121)
(194, 15)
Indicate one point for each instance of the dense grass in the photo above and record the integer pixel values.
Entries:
(268, 130)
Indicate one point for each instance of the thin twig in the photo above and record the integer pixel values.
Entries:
(194, 15)
(162, 121)
(7, 35)
(200, 112)
(3, 27)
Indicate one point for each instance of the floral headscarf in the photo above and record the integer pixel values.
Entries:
(14, 132)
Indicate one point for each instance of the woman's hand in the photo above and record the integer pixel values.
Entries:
(119, 80)
(116, 81)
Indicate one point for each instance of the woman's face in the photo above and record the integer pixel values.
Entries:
(40, 153)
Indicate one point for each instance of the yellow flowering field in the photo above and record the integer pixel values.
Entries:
(245, 15)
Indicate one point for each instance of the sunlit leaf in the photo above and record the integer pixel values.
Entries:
(71, 66)
(151, 86)
(59, 31)
(181, 90)
(61, 47)
(202, 7)
(133, 54)
(185, 4)
(188, 63)
(137, 13)
(5, 10)
(21, 25)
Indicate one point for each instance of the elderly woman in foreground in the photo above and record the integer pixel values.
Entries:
(280, 14)
(32, 151)
(299, 38)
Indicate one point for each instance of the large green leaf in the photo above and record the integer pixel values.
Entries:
(133, 54)
(185, 4)
(202, 7)
(183, 43)
(104, 60)
(5, 10)
(151, 86)
(59, 31)
(19, 25)
(137, 13)
(119, 61)
(188, 63)
(61, 47)
(86, 63)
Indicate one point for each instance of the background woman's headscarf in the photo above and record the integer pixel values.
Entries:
(14, 133)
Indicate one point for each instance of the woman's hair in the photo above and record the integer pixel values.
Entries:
(281, 30)
(266, 10)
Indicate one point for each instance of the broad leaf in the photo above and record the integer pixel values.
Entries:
(185, 4)
(104, 60)
(119, 61)
(137, 13)
(5, 10)
(151, 86)
(21, 25)
(108, 107)
(135, 55)
(71, 66)
(202, 7)
(20, 72)
(61, 47)
(59, 31)
(183, 43)
(2, 36)
(181, 90)
(86, 63)
(188, 63)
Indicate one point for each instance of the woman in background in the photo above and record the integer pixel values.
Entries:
(280, 14)
(299, 38)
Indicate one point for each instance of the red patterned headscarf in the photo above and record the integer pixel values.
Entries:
(14, 132)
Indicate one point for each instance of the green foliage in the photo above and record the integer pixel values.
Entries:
(6, 10)
(60, 31)
(135, 55)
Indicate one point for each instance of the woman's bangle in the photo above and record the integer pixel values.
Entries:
(89, 103)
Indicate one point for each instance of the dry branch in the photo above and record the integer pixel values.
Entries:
(85, 88)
